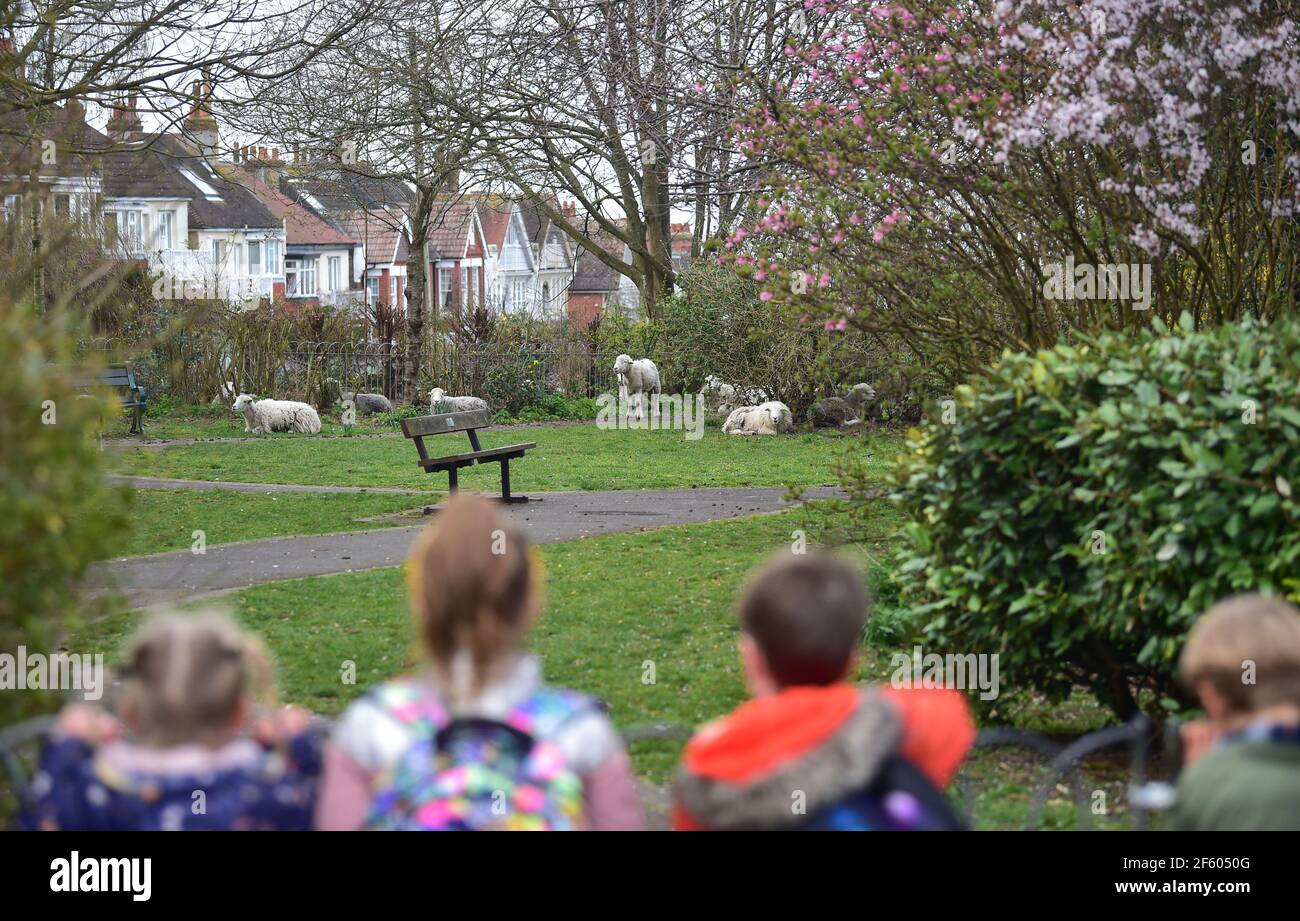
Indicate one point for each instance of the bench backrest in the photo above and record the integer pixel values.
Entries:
(110, 376)
(421, 426)
(117, 376)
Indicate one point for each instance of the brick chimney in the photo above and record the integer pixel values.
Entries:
(124, 122)
(199, 126)
(265, 165)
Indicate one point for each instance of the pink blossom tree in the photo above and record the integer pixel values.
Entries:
(931, 160)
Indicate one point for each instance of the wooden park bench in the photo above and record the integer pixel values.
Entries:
(122, 379)
(422, 427)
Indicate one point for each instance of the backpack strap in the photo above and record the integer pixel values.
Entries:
(542, 715)
(545, 712)
(413, 704)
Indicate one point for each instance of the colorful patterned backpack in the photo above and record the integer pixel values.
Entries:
(475, 774)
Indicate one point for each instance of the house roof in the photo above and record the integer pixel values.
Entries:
(382, 232)
(165, 166)
(302, 225)
(78, 146)
(339, 191)
(451, 222)
(494, 214)
(592, 275)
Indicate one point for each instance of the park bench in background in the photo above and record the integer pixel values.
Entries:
(419, 428)
(122, 379)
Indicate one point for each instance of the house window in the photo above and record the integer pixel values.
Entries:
(335, 266)
(130, 227)
(271, 253)
(473, 287)
(464, 284)
(62, 204)
(372, 291)
(307, 278)
(219, 252)
(291, 277)
(254, 257)
(11, 207)
(166, 237)
(445, 287)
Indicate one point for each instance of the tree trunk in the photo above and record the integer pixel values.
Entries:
(416, 287)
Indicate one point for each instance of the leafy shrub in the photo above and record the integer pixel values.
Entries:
(553, 406)
(57, 514)
(1086, 503)
(395, 415)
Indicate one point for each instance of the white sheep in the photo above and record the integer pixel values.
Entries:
(225, 392)
(262, 416)
(722, 397)
(770, 418)
(859, 395)
(367, 403)
(439, 402)
(638, 377)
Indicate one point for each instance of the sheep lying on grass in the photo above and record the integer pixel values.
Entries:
(367, 403)
(832, 412)
(770, 418)
(858, 396)
(439, 402)
(722, 398)
(262, 416)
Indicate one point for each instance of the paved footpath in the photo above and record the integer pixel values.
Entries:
(558, 517)
(162, 482)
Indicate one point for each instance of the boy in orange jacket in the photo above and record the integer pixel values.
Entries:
(811, 750)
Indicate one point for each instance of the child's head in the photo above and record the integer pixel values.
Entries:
(473, 593)
(803, 617)
(1243, 656)
(189, 677)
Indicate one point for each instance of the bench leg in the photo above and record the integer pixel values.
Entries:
(453, 484)
(505, 484)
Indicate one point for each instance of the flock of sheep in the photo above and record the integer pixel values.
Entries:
(262, 416)
(747, 410)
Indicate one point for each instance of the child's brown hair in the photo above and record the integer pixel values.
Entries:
(1248, 649)
(186, 676)
(806, 613)
(473, 593)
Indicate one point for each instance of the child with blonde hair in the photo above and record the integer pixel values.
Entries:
(189, 752)
(1242, 659)
(475, 740)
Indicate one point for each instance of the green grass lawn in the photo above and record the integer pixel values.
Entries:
(217, 420)
(566, 458)
(166, 519)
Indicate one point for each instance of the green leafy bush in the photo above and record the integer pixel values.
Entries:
(57, 514)
(551, 407)
(1080, 507)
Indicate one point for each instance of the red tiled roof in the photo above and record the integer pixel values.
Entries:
(301, 226)
(494, 214)
(380, 231)
(449, 227)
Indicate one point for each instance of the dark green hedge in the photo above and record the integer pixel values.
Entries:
(1174, 452)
